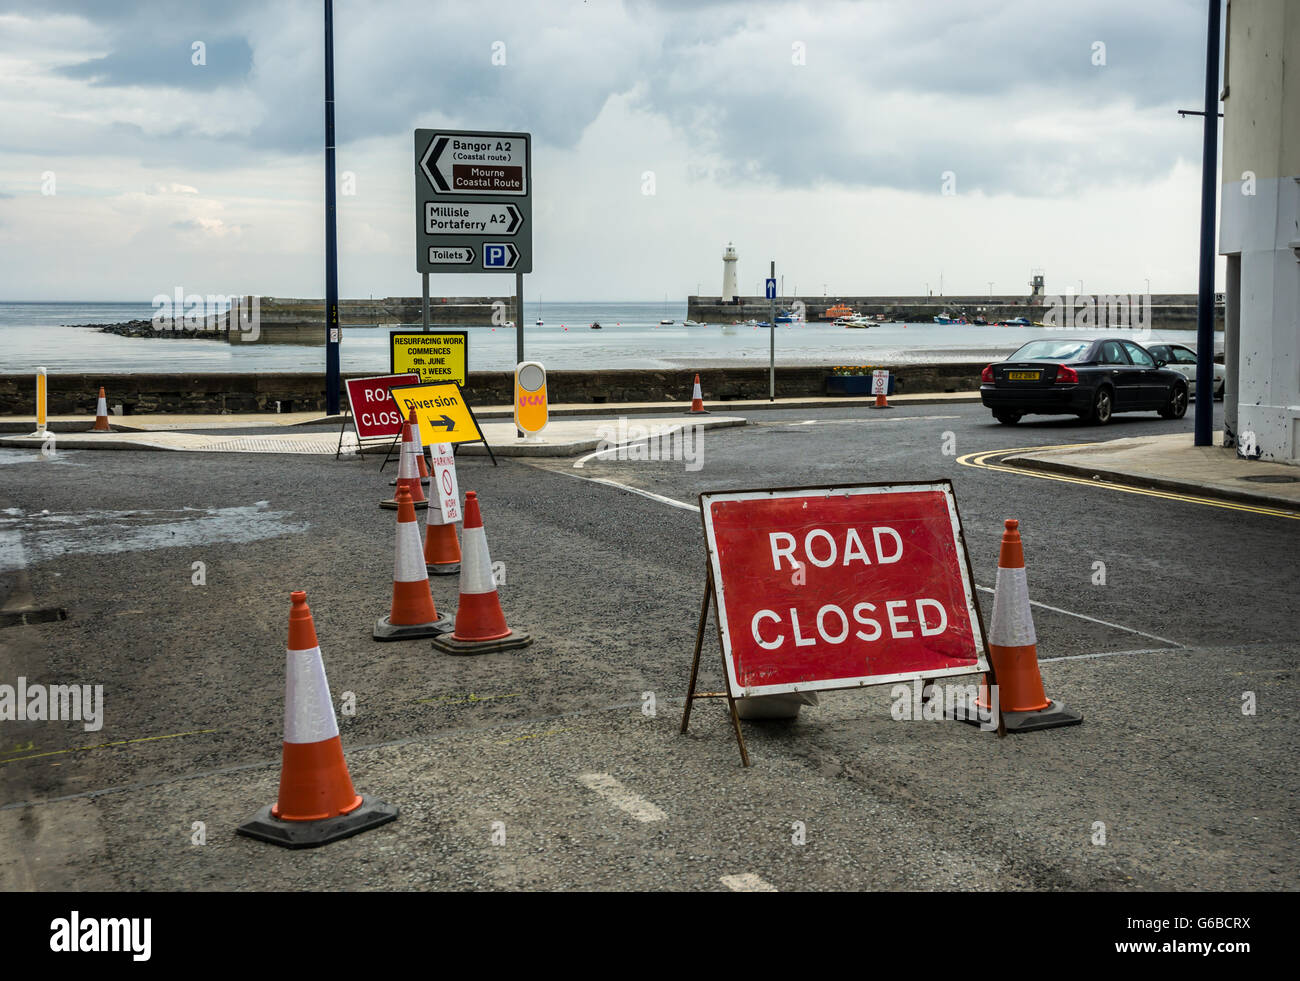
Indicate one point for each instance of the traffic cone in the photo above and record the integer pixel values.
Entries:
(882, 400)
(101, 415)
(408, 473)
(1013, 649)
(317, 803)
(422, 464)
(441, 549)
(412, 614)
(480, 624)
(697, 400)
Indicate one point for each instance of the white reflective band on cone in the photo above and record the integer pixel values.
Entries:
(475, 564)
(102, 408)
(1012, 624)
(408, 563)
(406, 466)
(696, 393)
(308, 711)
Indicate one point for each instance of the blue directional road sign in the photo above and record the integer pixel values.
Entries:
(771, 289)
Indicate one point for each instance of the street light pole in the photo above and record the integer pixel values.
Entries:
(332, 329)
(1204, 420)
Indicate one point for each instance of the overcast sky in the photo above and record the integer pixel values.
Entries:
(814, 133)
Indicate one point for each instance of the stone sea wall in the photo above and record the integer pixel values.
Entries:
(213, 393)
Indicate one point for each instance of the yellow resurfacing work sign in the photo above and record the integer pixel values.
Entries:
(438, 356)
(442, 412)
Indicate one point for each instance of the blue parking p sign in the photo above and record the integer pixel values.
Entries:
(771, 289)
(499, 255)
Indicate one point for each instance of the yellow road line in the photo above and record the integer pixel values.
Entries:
(120, 742)
(979, 461)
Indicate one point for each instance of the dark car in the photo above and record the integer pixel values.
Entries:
(1091, 379)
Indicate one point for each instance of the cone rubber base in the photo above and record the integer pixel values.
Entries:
(450, 645)
(391, 504)
(312, 834)
(697, 412)
(392, 631)
(882, 407)
(443, 569)
(1054, 716)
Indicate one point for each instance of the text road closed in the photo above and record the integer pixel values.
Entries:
(832, 588)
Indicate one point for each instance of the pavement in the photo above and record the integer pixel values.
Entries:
(1174, 463)
(564, 437)
(1165, 618)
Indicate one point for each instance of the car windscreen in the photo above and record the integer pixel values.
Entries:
(1050, 351)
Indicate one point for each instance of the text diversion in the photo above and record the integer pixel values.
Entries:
(832, 622)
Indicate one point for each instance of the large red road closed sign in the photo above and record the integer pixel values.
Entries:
(373, 411)
(838, 587)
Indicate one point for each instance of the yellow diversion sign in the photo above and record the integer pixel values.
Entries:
(442, 412)
(438, 356)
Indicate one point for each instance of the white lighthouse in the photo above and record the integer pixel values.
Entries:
(729, 257)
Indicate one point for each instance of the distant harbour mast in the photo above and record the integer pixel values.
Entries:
(729, 258)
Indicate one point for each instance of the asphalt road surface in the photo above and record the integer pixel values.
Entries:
(545, 768)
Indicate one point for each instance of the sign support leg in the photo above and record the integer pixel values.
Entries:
(424, 305)
(691, 694)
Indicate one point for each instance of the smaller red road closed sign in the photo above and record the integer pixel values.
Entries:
(374, 413)
(840, 587)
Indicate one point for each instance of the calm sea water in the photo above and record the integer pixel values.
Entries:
(33, 335)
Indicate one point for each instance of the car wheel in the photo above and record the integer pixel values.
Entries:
(1007, 418)
(1102, 405)
(1176, 407)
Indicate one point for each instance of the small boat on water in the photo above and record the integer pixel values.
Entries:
(666, 323)
(539, 322)
(693, 323)
(596, 326)
(949, 318)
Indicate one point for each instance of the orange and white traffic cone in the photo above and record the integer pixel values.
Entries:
(1013, 650)
(697, 400)
(882, 402)
(441, 549)
(408, 473)
(317, 803)
(412, 614)
(101, 415)
(419, 459)
(480, 623)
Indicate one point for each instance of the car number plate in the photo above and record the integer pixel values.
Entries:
(1023, 376)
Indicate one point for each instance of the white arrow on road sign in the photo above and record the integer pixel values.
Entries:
(499, 255)
(459, 164)
(451, 255)
(471, 218)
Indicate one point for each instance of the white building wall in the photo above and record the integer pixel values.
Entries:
(1262, 136)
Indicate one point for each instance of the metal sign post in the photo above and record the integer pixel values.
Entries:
(771, 331)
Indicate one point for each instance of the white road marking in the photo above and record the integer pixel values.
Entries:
(859, 422)
(1089, 657)
(635, 490)
(622, 798)
(748, 882)
(1104, 623)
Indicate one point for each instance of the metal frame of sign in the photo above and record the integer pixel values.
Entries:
(712, 593)
(392, 353)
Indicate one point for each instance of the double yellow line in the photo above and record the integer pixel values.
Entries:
(980, 461)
